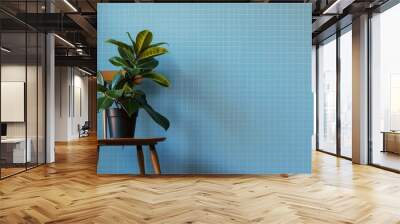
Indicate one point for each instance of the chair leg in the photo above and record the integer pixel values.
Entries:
(140, 158)
(154, 159)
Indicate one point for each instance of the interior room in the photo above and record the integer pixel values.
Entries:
(160, 111)
(72, 103)
(22, 100)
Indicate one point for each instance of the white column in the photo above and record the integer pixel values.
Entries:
(360, 90)
(50, 101)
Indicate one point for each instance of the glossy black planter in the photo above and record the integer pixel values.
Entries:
(119, 124)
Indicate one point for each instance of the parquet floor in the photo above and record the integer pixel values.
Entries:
(69, 191)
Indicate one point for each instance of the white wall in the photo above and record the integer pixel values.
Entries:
(16, 72)
(34, 125)
(61, 103)
(70, 83)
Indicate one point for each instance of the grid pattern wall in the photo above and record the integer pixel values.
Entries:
(240, 100)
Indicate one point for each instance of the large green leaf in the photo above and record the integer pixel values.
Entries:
(104, 103)
(127, 55)
(128, 91)
(143, 40)
(117, 61)
(157, 44)
(114, 93)
(157, 117)
(101, 88)
(130, 38)
(148, 64)
(152, 52)
(100, 78)
(118, 43)
(130, 107)
(132, 71)
(116, 80)
(158, 78)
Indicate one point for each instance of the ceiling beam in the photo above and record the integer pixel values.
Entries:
(86, 26)
(79, 61)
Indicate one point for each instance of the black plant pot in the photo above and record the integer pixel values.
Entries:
(120, 124)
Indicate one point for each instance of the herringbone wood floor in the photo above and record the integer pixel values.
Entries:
(69, 191)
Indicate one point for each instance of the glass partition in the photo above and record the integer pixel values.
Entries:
(327, 95)
(41, 97)
(22, 101)
(14, 153)
(31, 97)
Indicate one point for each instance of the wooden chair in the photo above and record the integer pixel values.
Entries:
(138, 142)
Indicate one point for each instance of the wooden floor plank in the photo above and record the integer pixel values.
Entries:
(70, 191)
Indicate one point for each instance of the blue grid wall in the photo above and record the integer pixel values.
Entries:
(240, 100)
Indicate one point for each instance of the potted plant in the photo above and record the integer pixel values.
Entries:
(120, 98)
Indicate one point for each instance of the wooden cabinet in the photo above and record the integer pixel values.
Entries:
(391, 142)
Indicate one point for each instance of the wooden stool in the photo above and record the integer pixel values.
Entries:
(138, 142)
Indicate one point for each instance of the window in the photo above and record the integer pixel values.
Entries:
(385, 89)
(346, 92)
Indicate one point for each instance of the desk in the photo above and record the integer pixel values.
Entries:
(13, 150)
(391, 141)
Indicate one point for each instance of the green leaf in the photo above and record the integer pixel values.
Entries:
(126, 54)
(104, 103)
(157, 117)
(130, 38)
(128, 91)
(143, 40)
(101, 88)
(132, 71)
(152, 52)
(157, 44)
(114, 93)
(100, 78)
(158, 78)
(148, 64)
(117, 61)
(126, 88)
(116, 80)
(118, 43)
(130, 107)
